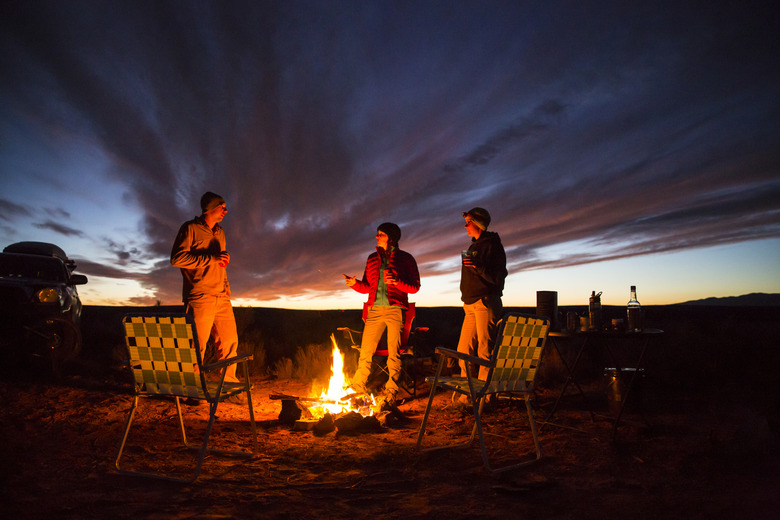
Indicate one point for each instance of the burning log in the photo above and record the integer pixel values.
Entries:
(285, 397)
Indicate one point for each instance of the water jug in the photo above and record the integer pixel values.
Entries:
(594, 311)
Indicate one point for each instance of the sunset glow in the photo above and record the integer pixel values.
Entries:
(614, 143)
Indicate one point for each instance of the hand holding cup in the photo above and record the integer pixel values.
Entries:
(390, 278)
(468, 258)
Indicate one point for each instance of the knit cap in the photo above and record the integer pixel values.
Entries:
(478, 216)
(210, 201)
(392, 231)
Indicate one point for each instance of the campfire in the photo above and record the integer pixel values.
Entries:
(336, 407)
(339, 398)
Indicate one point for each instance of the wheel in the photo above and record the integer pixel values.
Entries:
(63, 342)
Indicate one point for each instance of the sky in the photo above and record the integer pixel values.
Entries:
(614, 143)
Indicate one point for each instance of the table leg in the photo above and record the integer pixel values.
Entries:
(630, 385)
(570, 370)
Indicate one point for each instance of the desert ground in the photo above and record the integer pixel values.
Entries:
(701, 440)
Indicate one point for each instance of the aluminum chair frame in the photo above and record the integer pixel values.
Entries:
(165, 361)
(513, 365)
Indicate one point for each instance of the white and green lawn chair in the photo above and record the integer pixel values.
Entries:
(165, 361)
(513, 366)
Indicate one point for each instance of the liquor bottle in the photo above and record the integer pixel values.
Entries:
(594, 312)
(634, 311)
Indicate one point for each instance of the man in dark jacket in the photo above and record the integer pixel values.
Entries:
(481, 286)
(389, 277)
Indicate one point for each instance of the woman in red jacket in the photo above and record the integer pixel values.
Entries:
(389, 277)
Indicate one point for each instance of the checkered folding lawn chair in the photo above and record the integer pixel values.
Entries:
(165, 362)
(513, 366)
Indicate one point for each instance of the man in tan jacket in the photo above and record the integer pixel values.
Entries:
(200, 252)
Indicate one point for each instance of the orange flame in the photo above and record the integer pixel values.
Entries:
(332, 398)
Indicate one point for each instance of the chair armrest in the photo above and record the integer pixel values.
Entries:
(465, 357)
(225, 362)
(350, 334)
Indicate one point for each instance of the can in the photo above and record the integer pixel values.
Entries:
(572, 321)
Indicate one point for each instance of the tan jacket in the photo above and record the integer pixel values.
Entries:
(195, 252)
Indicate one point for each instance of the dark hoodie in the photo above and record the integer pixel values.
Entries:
(488, 277)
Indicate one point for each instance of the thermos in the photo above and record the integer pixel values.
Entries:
(594, 311)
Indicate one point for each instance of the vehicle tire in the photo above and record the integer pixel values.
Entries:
(64, 340)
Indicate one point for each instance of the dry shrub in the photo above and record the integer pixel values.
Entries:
(351, 357)
(252, 342)
(283, 368)
(313, 363)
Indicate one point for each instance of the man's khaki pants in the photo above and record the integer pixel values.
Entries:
(478, 332)
(214, 318)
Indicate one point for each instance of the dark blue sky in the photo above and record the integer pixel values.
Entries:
(639, 141)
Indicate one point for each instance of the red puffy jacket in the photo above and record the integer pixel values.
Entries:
(405, 268)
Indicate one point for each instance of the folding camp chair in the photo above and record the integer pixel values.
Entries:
(379, 359)
(165, 361)
(513, 365)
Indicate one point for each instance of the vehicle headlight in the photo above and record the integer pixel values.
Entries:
(49, 295)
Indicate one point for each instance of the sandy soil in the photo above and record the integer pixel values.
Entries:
(698, 459)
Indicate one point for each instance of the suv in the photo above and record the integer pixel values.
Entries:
(40, 309)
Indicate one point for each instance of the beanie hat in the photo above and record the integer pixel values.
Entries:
(210, 201)
(392, 231)
(478, 216)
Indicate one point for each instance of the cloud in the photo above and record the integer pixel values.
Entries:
(10, 210)
(59, 228)
(108, 271)
(630, 129)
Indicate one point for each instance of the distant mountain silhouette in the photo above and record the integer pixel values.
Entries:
(746, 300)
